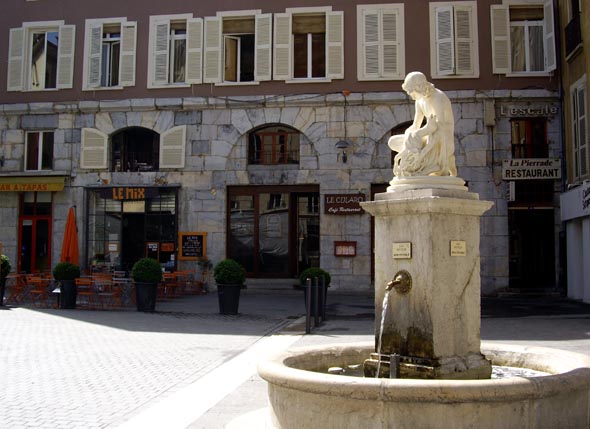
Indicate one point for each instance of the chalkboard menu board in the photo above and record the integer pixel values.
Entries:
(193, 245)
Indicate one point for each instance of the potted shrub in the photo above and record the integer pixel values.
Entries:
(312, 273)
(4, 270)
(229, 276)
(146, 274)
(66, 273)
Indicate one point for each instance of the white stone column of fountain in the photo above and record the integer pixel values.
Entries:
(439, 318)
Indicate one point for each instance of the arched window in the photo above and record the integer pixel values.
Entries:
(273, 145)
(135, 149)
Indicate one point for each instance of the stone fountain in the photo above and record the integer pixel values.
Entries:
(427, 275)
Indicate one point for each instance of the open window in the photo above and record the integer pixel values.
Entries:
(273, 145)
(453, 47)
(133, 149)
(237, 47)
(109, 53)
(41, 56)
(579, 129)
(176, 45)
(523, 39)
(308, 44)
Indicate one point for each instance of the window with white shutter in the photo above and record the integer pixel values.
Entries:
(523, 38)
(109, 54)
(172, 144)
(169, 45)
(454, 39)
(41, 56)
(308, 44)
(381, 50)
(580, 130)
(194, 50)
(94, 149)
(238, 46)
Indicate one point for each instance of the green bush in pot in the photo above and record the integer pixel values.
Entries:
(229, 272)
(146, 273)
(311, 273)
(66, 273)
(230, 277)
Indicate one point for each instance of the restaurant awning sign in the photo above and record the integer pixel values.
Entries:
(531, 169)
(343, 204)
(31, 183)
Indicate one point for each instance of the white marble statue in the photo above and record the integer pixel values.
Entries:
(426, 150)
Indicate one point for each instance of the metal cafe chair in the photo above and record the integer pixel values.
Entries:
(86, 292)
(38, 288)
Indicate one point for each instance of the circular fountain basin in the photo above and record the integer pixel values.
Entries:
(303, 395)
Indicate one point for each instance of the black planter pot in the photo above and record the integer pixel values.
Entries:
(67, 294)
(229, 298)
(145, 296)
(2, 289)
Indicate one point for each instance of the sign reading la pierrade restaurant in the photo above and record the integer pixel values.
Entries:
(531, 168)
(343, 204)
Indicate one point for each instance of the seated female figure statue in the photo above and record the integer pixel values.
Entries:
(429, 149)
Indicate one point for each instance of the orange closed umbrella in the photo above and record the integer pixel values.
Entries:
(69, 249)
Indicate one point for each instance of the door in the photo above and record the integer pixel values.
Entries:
(532, 249)
(35, 232)
(273, 231)
(133, 239)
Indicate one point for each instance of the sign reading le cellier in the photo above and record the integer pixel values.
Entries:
(343, 204)
(531, 168)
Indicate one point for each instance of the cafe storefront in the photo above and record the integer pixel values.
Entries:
(126, 223)
(34, 198)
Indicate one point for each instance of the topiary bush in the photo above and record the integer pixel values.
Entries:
(228, 272)
(313, 272)
(5, 266)
(147, 270)
(66, 271)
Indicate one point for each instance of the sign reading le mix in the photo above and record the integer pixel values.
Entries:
(343, 204)
(531, 168)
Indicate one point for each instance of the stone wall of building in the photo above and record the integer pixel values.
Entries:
(216, 157)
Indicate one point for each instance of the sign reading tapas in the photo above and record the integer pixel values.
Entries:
(343, 204)
(531, 168)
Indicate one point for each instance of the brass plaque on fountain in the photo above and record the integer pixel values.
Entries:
(402, 250)
(458, 248)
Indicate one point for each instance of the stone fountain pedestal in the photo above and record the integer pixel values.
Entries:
(433, 235)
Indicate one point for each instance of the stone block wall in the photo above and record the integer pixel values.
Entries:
(216, 157)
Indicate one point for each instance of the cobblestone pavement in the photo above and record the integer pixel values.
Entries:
(94, 369)
(187, 366)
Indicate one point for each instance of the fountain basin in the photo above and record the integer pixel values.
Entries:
(303, 395)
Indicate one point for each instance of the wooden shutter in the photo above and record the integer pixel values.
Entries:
(392, 36)
(94, 149)
(464, 43)
(128, 49)
(282, 69)
(445, 44)
(161, 46)
(213, 50)
(335, 45)
(194, 50)
(93, 55)
(263, 50)
(500, 39)
(65, 56)
(548, 20)
(370, 45)
(172, 144)
(16, 48)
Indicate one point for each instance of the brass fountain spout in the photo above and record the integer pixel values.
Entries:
(401, 282)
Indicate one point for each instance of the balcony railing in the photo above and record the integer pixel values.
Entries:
(573, 35)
